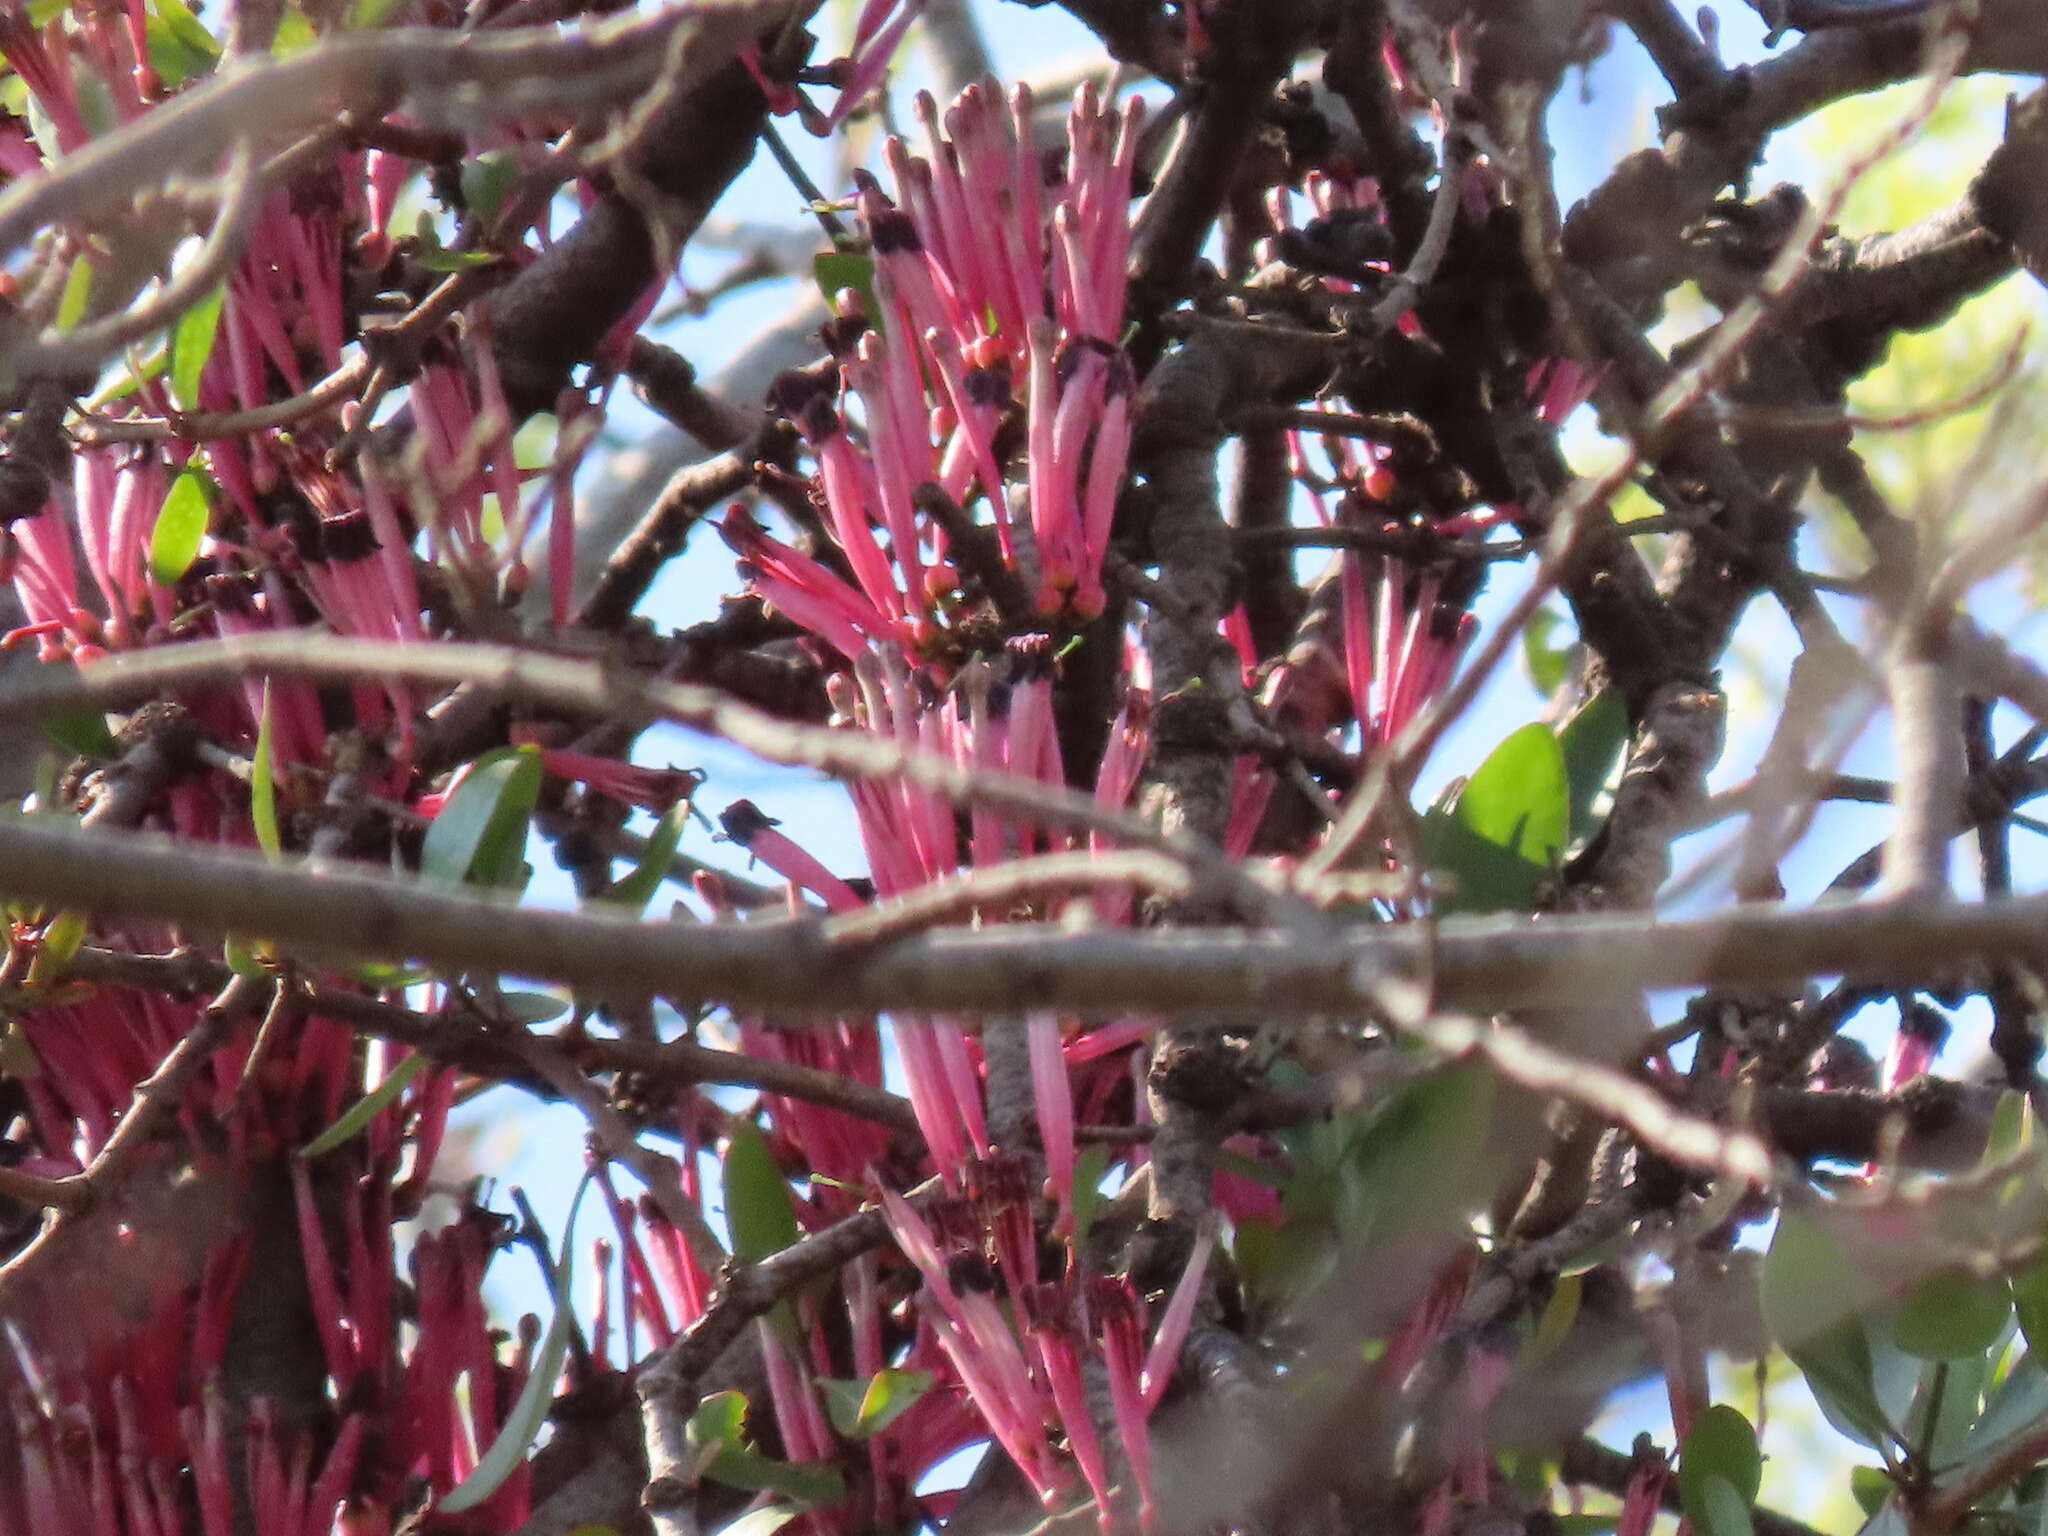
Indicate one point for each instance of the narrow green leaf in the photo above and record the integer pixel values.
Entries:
(1952, 1316)
(1559, 1313)
(365, 1109)
(809, 1482)
(759, 1210)
(636, 889)
(77, 290)
(180, 528)
(480, 832)
(537, 1396)
(192, 340)
(441, 259)
(1089, 1169)
(1721, 1447)
(263, 786)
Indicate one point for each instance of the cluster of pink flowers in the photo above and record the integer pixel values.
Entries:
(126, 1414)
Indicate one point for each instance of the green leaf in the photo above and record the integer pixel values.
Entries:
(759, 1210)
(263, 786)
(1870, 1487)
(537, 1396)
(365, 1109)
(1810, 1280)
(1720, 1448)
(1840, 1375)
(717, 1423)
(635, 890)
(1952, 1316)
(180, 527)
(1473, 874)
(1505, 828)
(82, 732)
(486, 182)
(1547, 641)
(715, 1447)
(1559, 1313)
(373, 13)
(859, 1409)
(186, 27)
(1723, 1510)
(2012, 1130)
(63, 937)
(192, 340)
(241, 959)
(480, 832)
(1089, 1168)
(808, 1482)
(2030, 1301)
(835, 270)
(1518, 799)
(442, 259)
(77, 290)
(294, 34)
(1592, 742)
(1418, 1161)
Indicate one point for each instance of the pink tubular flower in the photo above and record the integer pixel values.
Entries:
(744, 823)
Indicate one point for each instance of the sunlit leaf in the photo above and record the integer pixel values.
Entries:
(1503, 831)
(180, 528)
(63, 937)
(77, 291)
(263, 786)
(859, 1409)
(192, 340)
